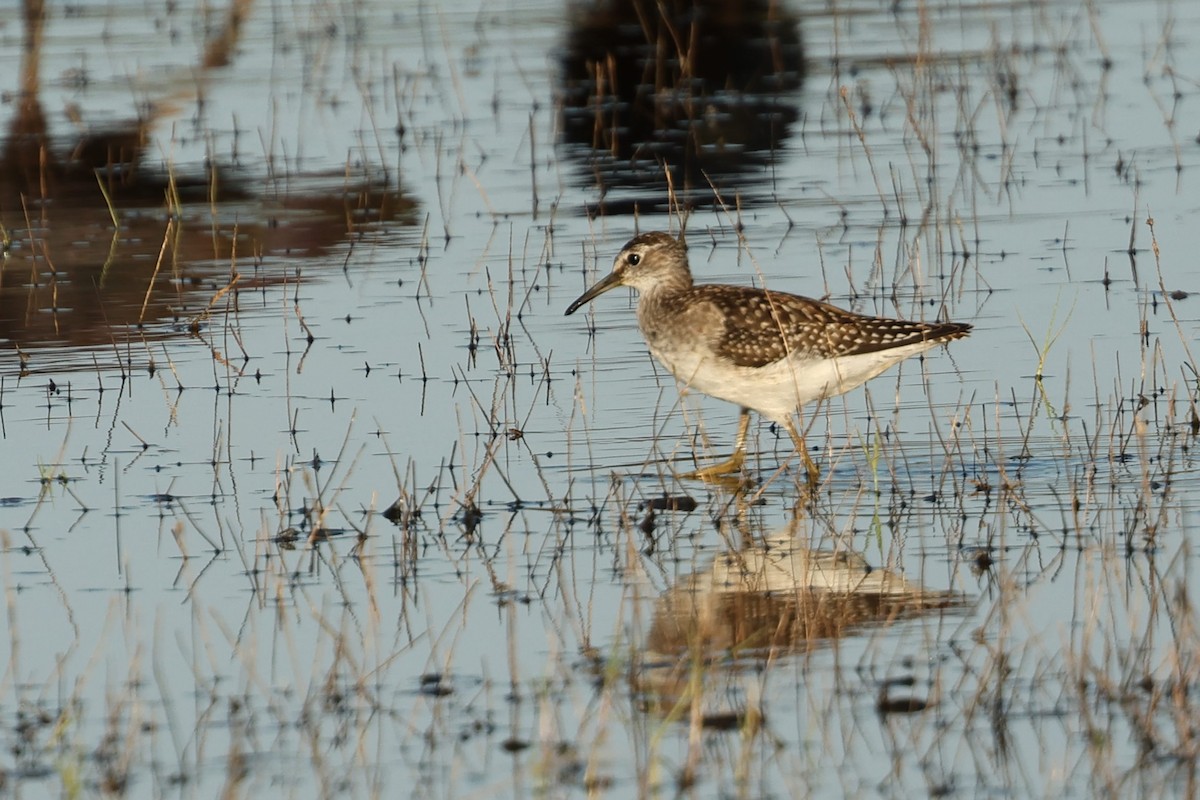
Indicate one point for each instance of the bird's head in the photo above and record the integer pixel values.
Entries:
(646, 262)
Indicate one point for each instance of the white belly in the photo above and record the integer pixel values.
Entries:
(779, 389)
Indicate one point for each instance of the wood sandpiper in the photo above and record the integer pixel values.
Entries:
(767, 351)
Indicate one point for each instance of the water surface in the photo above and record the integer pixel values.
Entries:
(270, 271)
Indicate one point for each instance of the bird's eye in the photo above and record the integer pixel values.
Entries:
(634, 259)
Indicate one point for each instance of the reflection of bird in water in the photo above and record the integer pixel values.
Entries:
(783, 595)
(764, 602)
(767, 351)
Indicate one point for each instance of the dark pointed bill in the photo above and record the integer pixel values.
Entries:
(611, 281)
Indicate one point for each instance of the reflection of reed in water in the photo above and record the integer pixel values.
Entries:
(706, 88)
(766, 601)
(99, 241)
(69, 169)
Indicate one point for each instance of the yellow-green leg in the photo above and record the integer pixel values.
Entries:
(811, 468)
(734, 464)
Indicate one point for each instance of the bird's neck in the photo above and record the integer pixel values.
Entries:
(660, 305)
(667, 286)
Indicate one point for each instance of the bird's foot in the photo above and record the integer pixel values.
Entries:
(718, 473)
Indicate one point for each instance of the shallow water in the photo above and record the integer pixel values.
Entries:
(345, 238)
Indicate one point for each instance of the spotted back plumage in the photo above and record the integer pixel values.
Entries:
(763, 327)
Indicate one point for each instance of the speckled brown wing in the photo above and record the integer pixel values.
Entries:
(762, 327)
